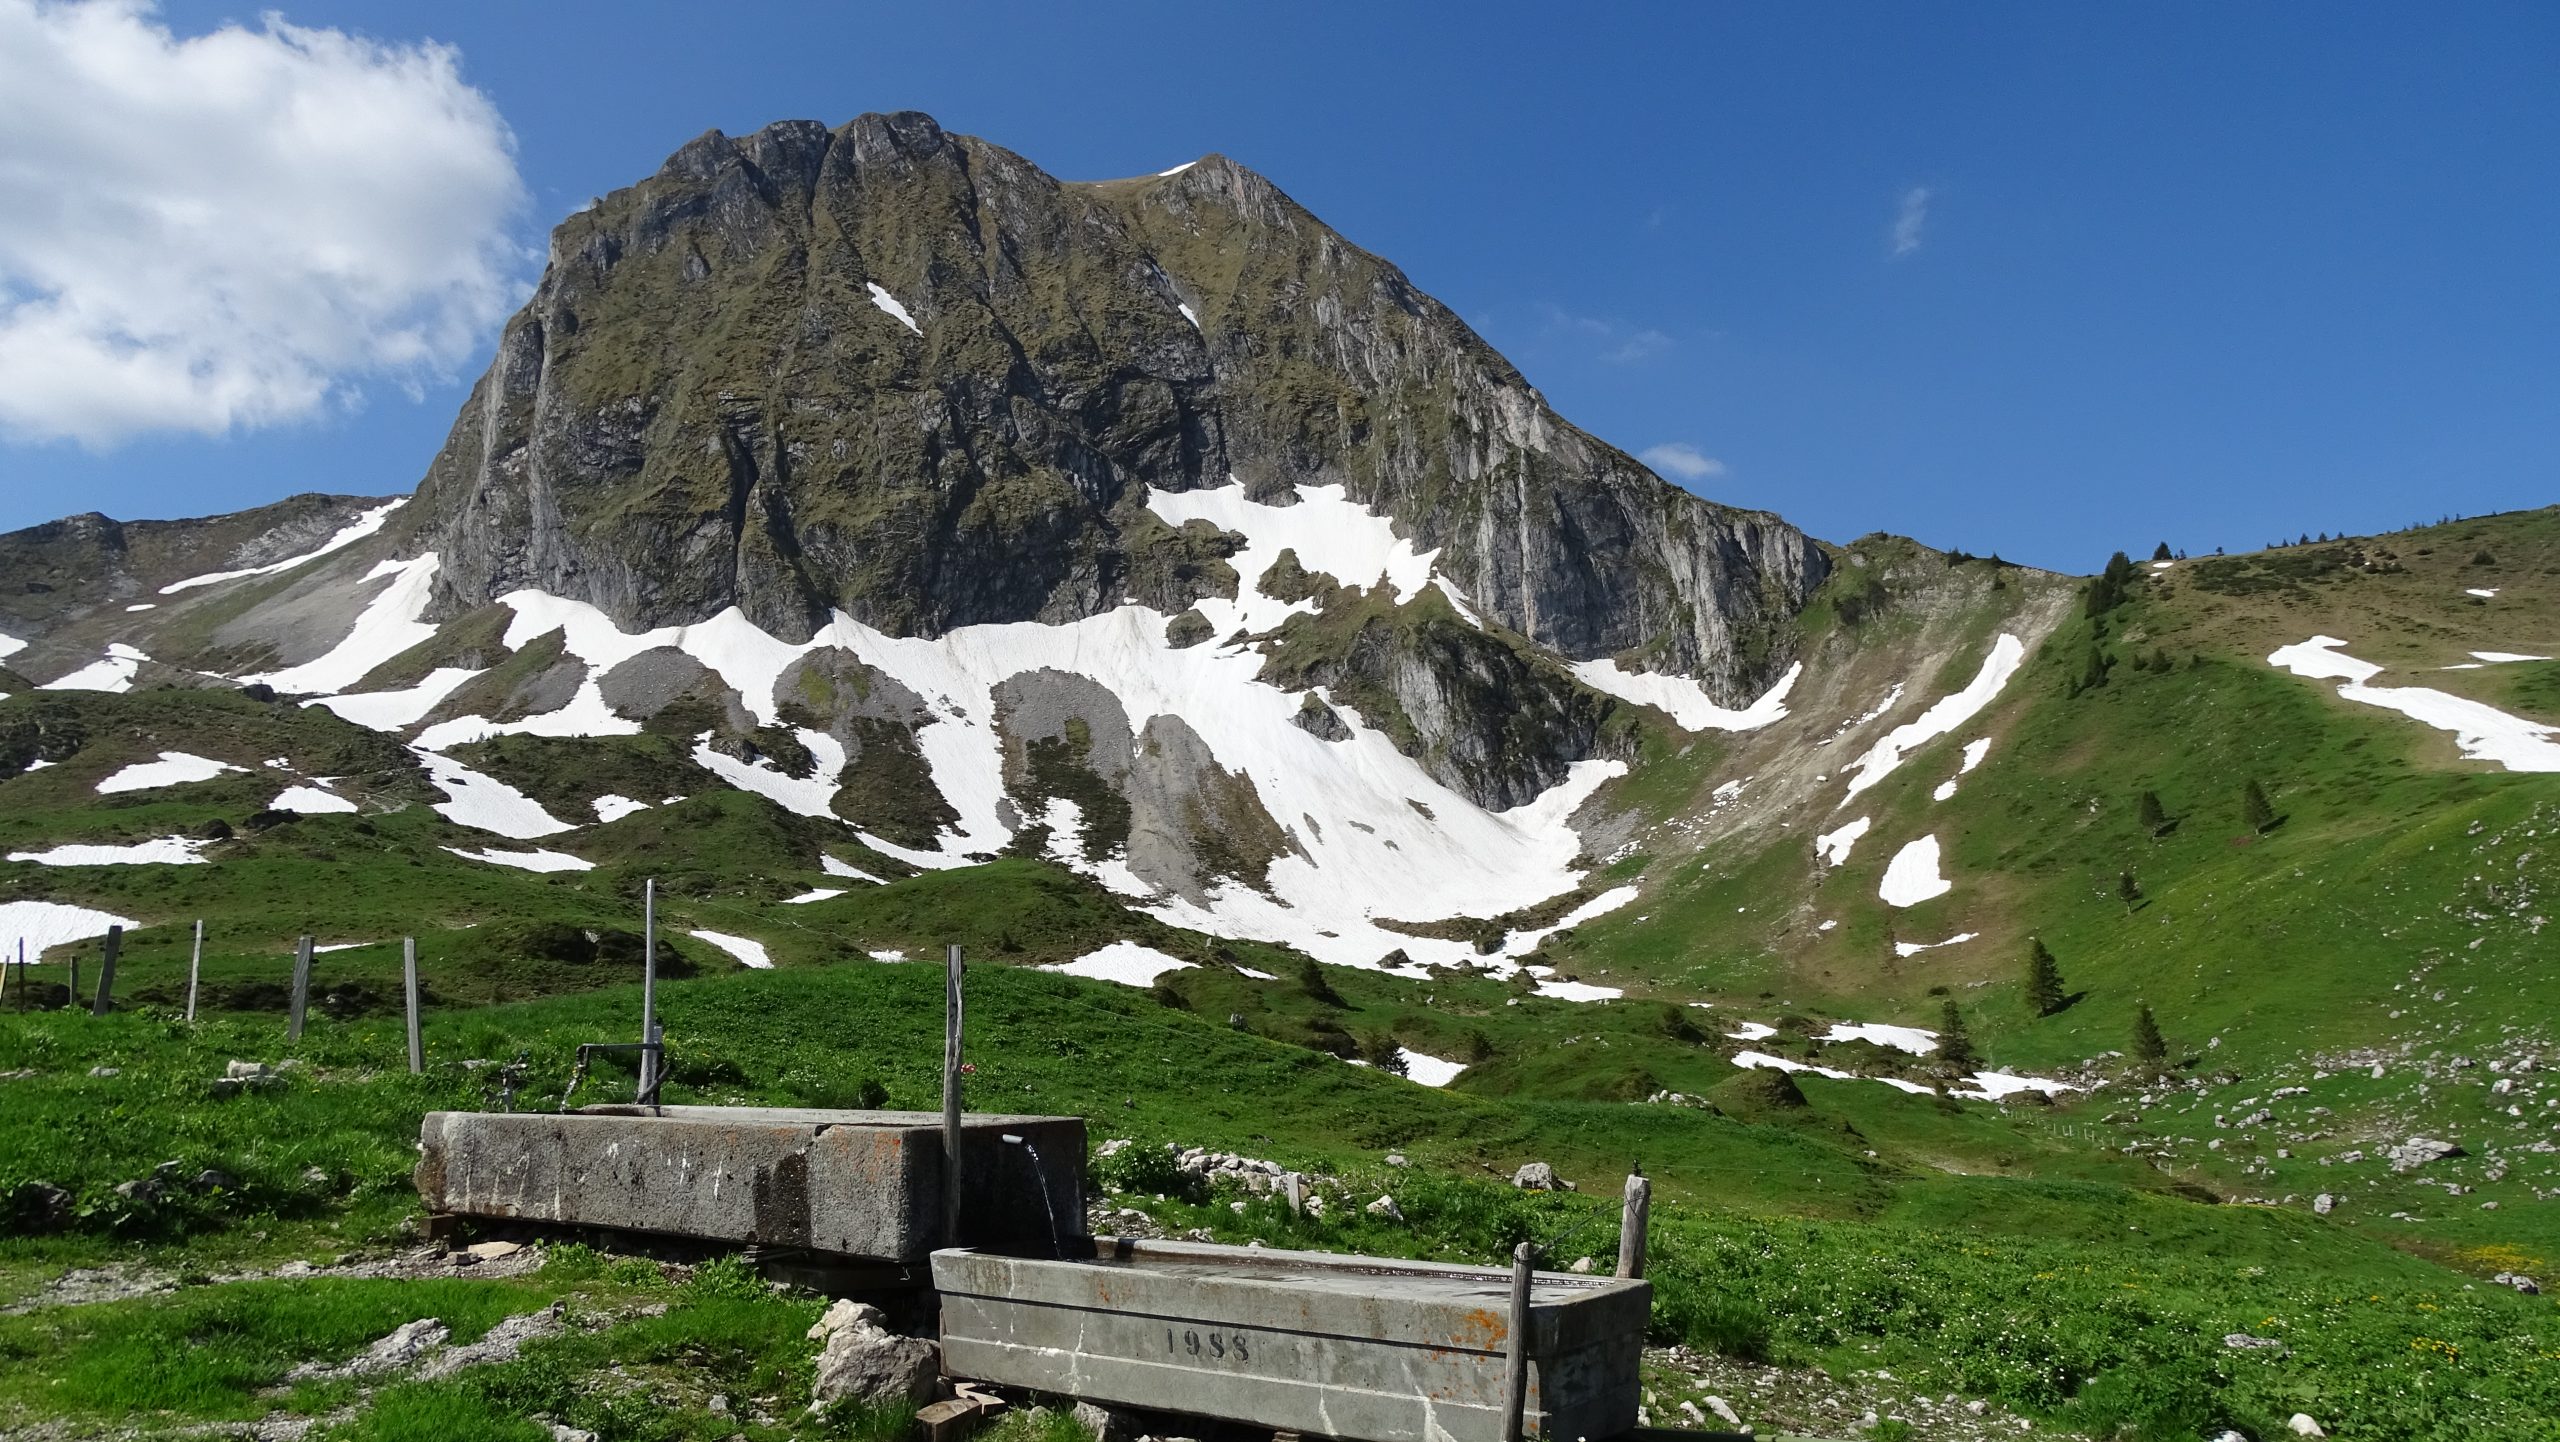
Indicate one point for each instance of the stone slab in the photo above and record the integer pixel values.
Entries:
(855, 1184)
(1327, 1345)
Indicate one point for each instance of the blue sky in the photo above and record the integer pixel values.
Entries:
(2046, 280)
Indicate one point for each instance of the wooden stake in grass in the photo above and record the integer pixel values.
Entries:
(1634, 1217)
(301, 988)
(951, 1097)
(107, 972)
(409, 983)
(195, 968)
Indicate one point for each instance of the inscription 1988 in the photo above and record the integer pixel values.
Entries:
(1221, 1346)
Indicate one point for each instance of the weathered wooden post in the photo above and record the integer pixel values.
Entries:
(648, 983)
(22, 973)
(1515, 1348)
(1293, 1188)
(301, 988)
(409, 983)
(1633, 1219)
(107, 972)
(71, 994)
(195, 968)
(951, 1004)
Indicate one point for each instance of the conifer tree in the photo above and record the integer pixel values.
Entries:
(2128, 890)
(2160, 552)
(2153, 816)
(2253, 800)
(2044, 979)
(2149, 1047)
(1955, 1047)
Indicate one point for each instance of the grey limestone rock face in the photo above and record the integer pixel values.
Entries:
(709, 403)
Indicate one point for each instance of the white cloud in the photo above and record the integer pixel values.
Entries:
(1683, 460)
(235, 229)
(1911, 220)
(1642, 346)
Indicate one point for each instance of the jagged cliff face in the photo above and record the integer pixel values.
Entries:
(713, 400)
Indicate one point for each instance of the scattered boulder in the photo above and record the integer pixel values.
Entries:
(493, 1251)
(1536, 1177)
(1580, 1264)
(866, 1361)
(2416, 1152)
(396, 1352)
(1385, 1206)
(1106, 1424)
(2243, 1342)
(2520, 1282)
(848, 1313)
(39, 1206)
(1724, 1411)
(106, 1071)
(500, 1343)
(2324, 1204)
(2301, 1425)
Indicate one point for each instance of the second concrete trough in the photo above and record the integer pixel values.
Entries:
(850, 1183)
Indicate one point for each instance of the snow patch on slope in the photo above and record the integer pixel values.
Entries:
(536, 860)
(387, 626)
(392, 710)
(1949, 713)
(1125, 962)
(810, 795)
(1912, 876)
(310, 801)
(484, 803)
(166, 851)
(1833, 846)
(1330, 532)
(111, 672)
(889, 304)
(748, 951)
(174, 768)
(2483, 732)
(1684, 700)
(28, 927)
(1428, 1071)
(364, 525)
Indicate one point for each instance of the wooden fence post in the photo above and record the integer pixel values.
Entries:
(1633, 1220)
(107, 972)
(951, 1017)
(301, 988)
(409, 982)
(195, 968)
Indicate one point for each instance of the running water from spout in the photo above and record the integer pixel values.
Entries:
(1040, 1179)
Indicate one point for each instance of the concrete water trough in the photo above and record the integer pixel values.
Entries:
(856, 1184)
(1332, 1346)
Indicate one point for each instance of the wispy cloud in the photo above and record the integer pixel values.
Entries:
(1912, 221)
(1614, 341)
(1681, 460)
(1644, 345)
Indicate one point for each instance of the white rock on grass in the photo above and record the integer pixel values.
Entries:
(1536, 1177)
(875, 1365)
